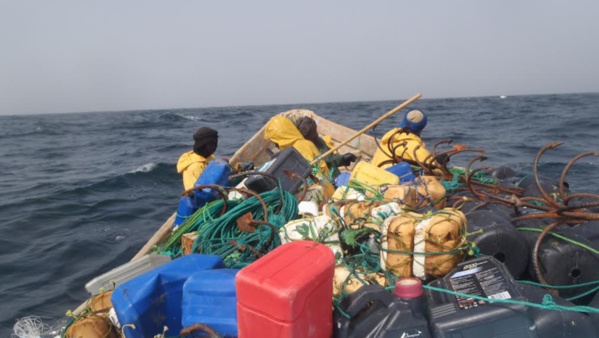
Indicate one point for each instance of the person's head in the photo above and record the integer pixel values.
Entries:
(413, 122)
(205, 141)
(307, 127)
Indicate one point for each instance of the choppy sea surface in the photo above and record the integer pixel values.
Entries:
(81, 193)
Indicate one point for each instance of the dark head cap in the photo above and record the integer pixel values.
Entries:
(203, 137)
(205, 133)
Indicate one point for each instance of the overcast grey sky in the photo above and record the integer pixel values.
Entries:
(80, 55)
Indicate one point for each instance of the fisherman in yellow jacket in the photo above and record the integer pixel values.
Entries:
(309, 130)
(192, 163)
(283, 132)
(393, 141)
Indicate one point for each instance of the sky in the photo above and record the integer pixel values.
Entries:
(76, 56)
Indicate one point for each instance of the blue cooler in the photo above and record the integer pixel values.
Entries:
(153, 300)
(209, 298)
(403, 171)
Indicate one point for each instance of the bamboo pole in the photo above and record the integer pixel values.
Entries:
(374, 123)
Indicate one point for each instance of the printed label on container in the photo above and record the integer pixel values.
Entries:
(479, 279)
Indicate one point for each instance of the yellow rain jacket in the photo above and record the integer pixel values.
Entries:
(412, 140)
(329, 141)
(191, 166)
(283, 132)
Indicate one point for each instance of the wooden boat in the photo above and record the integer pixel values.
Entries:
(259, 150)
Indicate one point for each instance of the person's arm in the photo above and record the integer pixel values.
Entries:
(335, 159)
(340, 160)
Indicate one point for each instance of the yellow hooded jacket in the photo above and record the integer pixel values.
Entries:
(283, 132)
(407, 151)
(191, 166)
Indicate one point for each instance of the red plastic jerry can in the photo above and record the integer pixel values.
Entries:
(287, 293)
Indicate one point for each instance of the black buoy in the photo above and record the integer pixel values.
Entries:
(495, 236)
(556, 324)
(503, 173)
(595, 316)
(564, 261)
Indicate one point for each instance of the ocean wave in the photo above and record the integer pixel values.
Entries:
(119, 182)
(146, 168)
(175, 117)
(141, 175)
(34, 131)
(139, 180)
(191, 117)
(243, 114)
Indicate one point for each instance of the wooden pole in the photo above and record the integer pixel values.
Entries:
(377, 121)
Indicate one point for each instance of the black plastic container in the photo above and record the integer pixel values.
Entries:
(375, 312)
(595, 316)
(287, 159)
(565, 263)
(496, 236)
(557, 324)
(464, 317)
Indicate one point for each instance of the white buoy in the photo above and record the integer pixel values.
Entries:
(502, 97)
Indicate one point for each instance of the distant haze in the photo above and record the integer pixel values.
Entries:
(82, 55)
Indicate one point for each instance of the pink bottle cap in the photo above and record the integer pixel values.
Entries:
(408, 288)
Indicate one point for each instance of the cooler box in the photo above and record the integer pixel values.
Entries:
(287, 293)
(153, 300)
(289, 159)
(209, 298)
(402, 170)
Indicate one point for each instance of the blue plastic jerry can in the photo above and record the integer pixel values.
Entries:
(210, 298)
(153, 300)
(187, 206)
(216, 172)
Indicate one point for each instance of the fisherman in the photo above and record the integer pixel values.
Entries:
(308, 128)
(400, 143)
(281, 131)
(192, 163)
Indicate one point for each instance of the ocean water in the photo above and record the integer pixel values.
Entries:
(81, 193)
